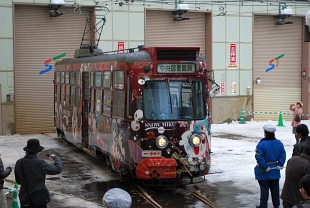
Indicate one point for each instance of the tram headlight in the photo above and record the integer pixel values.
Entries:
(161, 142)
(195, 140)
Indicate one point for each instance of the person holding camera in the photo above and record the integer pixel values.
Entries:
(30, 171)
(3, 174)
(297, 111)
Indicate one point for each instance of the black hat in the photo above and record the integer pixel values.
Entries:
(33, 146)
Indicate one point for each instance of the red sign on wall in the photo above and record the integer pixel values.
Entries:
(222, 88)
(120, 47)
(232, 53)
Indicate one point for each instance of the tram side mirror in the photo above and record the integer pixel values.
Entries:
(214, 91)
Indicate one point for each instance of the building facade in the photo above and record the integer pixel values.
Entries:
(245, 43)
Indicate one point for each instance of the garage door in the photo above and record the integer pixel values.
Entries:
(38, 37)
(277, 49)
(161, 30)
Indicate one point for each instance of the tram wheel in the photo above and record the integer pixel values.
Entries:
(63, 139)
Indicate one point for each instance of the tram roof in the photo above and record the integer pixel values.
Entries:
(136, 56)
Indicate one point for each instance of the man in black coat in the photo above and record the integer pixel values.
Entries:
(3, 174)
(302, 131)
(296, 168)
(31, 172)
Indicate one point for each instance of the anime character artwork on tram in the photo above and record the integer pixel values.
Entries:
(147, 111)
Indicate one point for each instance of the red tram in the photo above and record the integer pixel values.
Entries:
(146, 110)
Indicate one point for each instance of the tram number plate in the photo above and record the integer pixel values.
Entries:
(151, 153)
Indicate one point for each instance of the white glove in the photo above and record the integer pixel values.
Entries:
(279, 168)
(268, 169)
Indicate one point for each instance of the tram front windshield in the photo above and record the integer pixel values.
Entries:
(174, 100)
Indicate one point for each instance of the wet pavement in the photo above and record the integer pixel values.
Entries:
(78, 180)
(85, 180)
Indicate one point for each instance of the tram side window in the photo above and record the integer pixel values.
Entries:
(98, 79)
(72, 78)
(98, 101)
(62, 77)
(67, 99)
(106, 79)
(67, 79)
(198, 99)
(118, 104)
(57, 77)
(77, 96)
(72, 101)
(62, 97)
(106, 105)
(92, 99)
(58, 93)
(118, 80)
(78, 78)
(129, 98)
(91, 76)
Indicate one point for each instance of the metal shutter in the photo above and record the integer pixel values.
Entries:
(282, 85)
(161, 30)
(38, 37)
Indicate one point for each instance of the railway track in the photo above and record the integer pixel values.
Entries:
(157, 205)
(145, 195)
(201, 198)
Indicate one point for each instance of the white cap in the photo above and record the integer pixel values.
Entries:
(270, 128)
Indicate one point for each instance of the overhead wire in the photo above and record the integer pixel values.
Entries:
(198, 5)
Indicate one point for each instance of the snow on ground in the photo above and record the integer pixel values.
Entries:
(234, 159)
(232, 156)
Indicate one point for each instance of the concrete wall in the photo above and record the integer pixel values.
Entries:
(8, 118)
(228, 109)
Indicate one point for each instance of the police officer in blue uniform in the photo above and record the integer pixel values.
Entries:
(270, 156)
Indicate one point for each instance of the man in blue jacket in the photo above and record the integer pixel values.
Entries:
(31, 172)
(270, 156)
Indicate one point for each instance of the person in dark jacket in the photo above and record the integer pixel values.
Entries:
(302, 131)
(296, 168)
(3, 174)
(305, 192)
(270, 156)
(35, 171)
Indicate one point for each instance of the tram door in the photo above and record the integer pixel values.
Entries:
(85, 94)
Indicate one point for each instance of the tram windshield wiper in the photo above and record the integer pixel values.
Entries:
(168, 87)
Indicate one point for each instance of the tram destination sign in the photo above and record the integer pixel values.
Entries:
(176, 68)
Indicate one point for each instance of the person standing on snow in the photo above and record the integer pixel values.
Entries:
(31, 172)
(296, 168)
(3, 174)
(270, 156)
(297, 111)
(302, 132)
